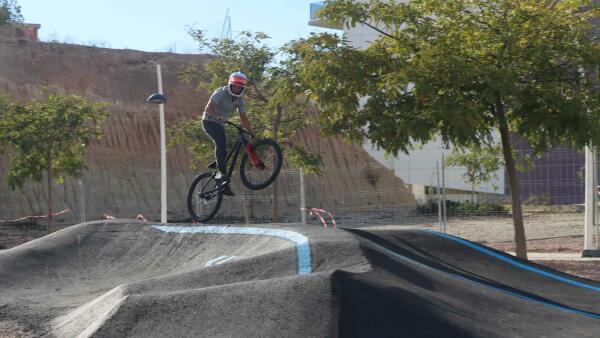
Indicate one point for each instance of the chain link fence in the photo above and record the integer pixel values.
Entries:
(356, 195)
(367, 193)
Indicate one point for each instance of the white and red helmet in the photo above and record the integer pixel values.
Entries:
(238, 79)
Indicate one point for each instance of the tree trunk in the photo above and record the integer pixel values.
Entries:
(275, 208)
(49, 192)
(473, 192)
(520, 240)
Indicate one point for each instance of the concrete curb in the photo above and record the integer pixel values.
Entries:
(557, 256)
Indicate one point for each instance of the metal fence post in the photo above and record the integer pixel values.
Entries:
(590, 201)
(81, 200)
(445, 218)
(302, 199)
(163, 152)
(439, 194)
(594, 185)
(589, 198)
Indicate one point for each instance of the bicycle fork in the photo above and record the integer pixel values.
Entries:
(254, 158)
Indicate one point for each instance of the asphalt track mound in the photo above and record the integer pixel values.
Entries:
(133, 279)
(428, 284)
(123, 278)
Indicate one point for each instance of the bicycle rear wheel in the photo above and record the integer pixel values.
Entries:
(204, 198)
(261, 165)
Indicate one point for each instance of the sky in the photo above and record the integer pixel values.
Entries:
(159, 26)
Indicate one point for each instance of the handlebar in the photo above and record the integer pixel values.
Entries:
(240, 129)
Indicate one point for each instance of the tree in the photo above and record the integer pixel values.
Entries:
(277, 109)
(460, 70)
(49, 135)
(10, 12)
(480, 163)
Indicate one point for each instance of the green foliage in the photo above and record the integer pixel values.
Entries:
(273, 96)
(463, 208)
(56, 129)
(442, 67)
(4, 104)
(197, 143)
(310, 163)
(247, 53)
(459, 70)
(480, 163)
(10, 12)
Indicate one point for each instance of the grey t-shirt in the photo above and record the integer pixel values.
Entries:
(225, 105)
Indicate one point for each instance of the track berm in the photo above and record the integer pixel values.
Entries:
(123, 278)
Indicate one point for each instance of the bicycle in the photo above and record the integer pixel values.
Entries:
(259, 167)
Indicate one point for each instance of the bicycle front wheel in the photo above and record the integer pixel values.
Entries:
(261, 164)
(204, 198)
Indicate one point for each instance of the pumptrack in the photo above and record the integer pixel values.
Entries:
(124, 278)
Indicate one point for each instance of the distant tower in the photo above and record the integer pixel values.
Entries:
(226, 30)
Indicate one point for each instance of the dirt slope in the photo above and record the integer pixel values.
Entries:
(123, 175)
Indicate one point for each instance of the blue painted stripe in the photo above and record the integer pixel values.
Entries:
(469, 280)
(513, 262)
(301, 241)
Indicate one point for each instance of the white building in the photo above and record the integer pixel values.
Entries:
(417, 168)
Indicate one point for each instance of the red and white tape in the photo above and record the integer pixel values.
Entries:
(39, 216)
(139, 217)
(319, 212)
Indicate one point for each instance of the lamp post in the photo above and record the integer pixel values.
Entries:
(160, 99)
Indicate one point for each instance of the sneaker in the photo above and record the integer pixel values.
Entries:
(223, 182)
(213, 165)
(220, 176)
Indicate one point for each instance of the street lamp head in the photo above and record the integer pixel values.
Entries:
(157, 98)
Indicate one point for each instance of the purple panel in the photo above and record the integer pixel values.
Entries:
(558, 174)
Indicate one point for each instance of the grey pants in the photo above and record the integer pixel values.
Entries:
(217, 134)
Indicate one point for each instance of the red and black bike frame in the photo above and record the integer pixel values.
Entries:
(235, 150)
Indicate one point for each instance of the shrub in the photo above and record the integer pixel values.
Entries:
(466, 208)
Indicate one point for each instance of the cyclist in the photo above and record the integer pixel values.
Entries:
(221, 104)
